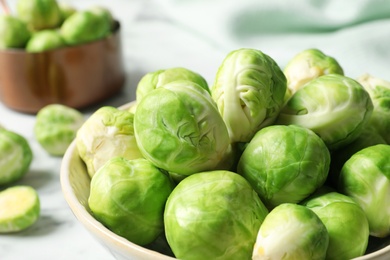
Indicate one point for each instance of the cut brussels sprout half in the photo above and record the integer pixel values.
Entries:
(249, 90)
(213, 215)
(308, 65)
(128, 196)
(56, 126)
(345, 221)
(107, 133)
(334, 106)
(285, 164)
(366, 178)
(291, 231)
(158, 78)
(19, 208)
(15, 156)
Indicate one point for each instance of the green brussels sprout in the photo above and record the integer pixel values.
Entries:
(104, 12)
(84, 26)
(379, 90)
(334, 106)
(366, 178)
(213, 215)
(128, 197)
(179, 129)
(308, 65)
(45, 40)
(291, 231)
(107, 133)
(285, 164)
(20, 208)
(15, 156)
(13, 32)
(156, 79)
(39, 14)
(249, 90)
(345, 221)
(56, 126)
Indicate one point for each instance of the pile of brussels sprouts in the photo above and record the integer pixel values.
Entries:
(42, 25)
(264, 164)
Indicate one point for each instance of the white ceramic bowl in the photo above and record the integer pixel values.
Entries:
(75, 183)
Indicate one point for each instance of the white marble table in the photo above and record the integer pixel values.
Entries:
(196, 35)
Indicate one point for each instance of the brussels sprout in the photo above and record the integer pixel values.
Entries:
(45, 40)
(20, 208)
(249, 90)
(104, 12)
(56, 126)
(285, 164)
(13, 32)
(291, 231)
(128, 196)
(345, 221)
(379, 90)
(213, 215)
(308, 65)
(179, 129)
(334, 106)
(156, 79)
(84, 26)
(39, 14)
(366, 178)
(107, 133)
(15, 156)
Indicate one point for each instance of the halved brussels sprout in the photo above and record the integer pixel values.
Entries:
(334, 106)
(158, 78)
(308, 65)
(379, 90)
(285, 164)
(179, 129)
(291, 231)
(128, 196)
(56, 126)
(15, 156)
(107, 133)
(345, 221)
(213, 215)
(20, 208)
(249, 90)
(366, 178)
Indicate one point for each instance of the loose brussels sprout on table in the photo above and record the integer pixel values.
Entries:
(19, 208)
(345, 221)
(285, 164)
(107, 133)
(366, 178)
(213, 215)
(56, 126)
(179, 129)
(308, 65)
(335, 107)
(249, 90)
(128, 196)
(15, 156)
(291, 231)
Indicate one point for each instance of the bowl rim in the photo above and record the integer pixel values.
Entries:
(97, 228)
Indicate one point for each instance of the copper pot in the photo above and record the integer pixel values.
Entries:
(76, 76)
